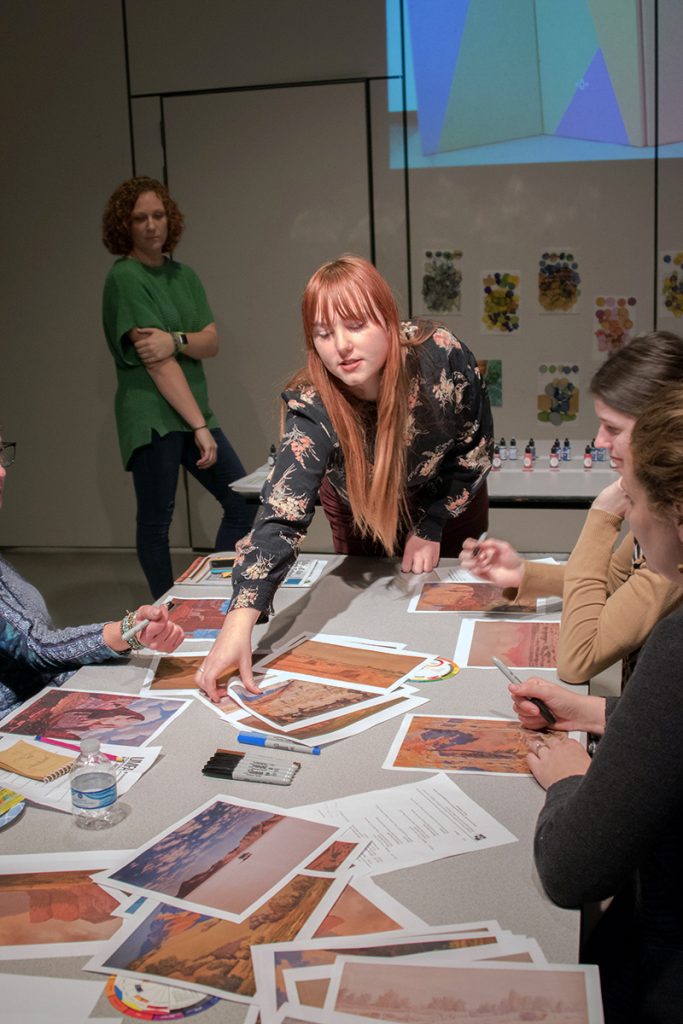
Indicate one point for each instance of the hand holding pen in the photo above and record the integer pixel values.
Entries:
(571, 712)
(492, 560)
(154, 628)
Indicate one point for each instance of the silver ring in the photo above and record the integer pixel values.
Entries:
(201, 670)
(539, 744)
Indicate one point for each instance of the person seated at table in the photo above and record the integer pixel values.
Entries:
(612, 826)
(389, 423)
(611, 599)
(34, 654)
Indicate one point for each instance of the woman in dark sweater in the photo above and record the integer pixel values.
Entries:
(613, 826)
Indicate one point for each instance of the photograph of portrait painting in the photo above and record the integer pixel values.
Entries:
(381, 669)
(466, 597)
(37, 908)
(206, 951)
(457, 744)
(519, 644)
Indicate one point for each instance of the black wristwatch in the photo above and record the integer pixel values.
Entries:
(179, 341)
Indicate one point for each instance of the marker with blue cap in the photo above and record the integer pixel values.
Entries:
(256, 739)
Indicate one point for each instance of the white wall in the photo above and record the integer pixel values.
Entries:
(66, 146)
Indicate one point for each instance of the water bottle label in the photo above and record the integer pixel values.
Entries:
(93, 799)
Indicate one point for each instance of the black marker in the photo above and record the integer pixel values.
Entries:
(541, 705)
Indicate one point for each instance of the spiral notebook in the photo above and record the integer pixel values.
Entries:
(34, 763)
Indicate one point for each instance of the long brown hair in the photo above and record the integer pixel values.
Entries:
(641, 370)
(351, 288)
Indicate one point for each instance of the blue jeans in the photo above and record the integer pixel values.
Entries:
(155, 468)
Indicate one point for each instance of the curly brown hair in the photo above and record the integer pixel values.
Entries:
(117, 213)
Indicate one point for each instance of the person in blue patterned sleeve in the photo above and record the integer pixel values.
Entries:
(34, 654)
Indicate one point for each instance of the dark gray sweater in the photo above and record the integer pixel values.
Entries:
(619, 828)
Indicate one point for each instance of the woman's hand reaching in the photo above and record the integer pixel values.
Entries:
(495, 561)
(230, 653)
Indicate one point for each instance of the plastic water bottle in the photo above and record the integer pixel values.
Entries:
(93, 787)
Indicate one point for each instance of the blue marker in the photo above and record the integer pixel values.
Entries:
(258, 740)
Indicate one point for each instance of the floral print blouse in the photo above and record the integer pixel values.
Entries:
(449, 441)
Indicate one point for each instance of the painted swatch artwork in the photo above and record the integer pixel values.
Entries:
(442, 281)
(500, 302)
(614, 322)
(672, 284)
(558, 282)
(491, 371)
(558, 393)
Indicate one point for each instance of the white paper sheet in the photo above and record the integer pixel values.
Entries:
(131, 765)
(35, 1000)
(412, 824)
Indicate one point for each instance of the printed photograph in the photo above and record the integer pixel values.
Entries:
(457, 744)
(228, 857)
(482, 993)
(519, 644)
(362, 666)
(118, 718)
(212, 954)
(55, 908)
(178, 672)
(200, 618)
(290, 702)
(333, 857)
(466, 597)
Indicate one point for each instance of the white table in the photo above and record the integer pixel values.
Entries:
(569, 487)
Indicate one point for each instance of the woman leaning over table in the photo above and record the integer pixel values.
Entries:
(611, 599)
(389, 424)
(160, 329)
(34, 654)
(613, 826)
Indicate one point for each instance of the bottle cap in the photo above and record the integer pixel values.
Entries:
(90, 745)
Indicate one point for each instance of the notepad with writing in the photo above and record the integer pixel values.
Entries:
(34, 763)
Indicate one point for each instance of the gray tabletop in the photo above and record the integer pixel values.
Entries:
(366, 598)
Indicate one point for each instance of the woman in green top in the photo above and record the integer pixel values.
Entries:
(160, 328)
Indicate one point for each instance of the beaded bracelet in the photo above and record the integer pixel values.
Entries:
(127, 623)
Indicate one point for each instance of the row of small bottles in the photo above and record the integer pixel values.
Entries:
(558, 453)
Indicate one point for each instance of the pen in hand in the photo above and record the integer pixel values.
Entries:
(480, 538)
(510, 675)
(142, 624)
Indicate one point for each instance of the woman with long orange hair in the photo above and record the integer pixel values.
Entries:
(389, 424)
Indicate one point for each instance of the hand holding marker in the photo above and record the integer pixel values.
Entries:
(510, 675)
(142, 624)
